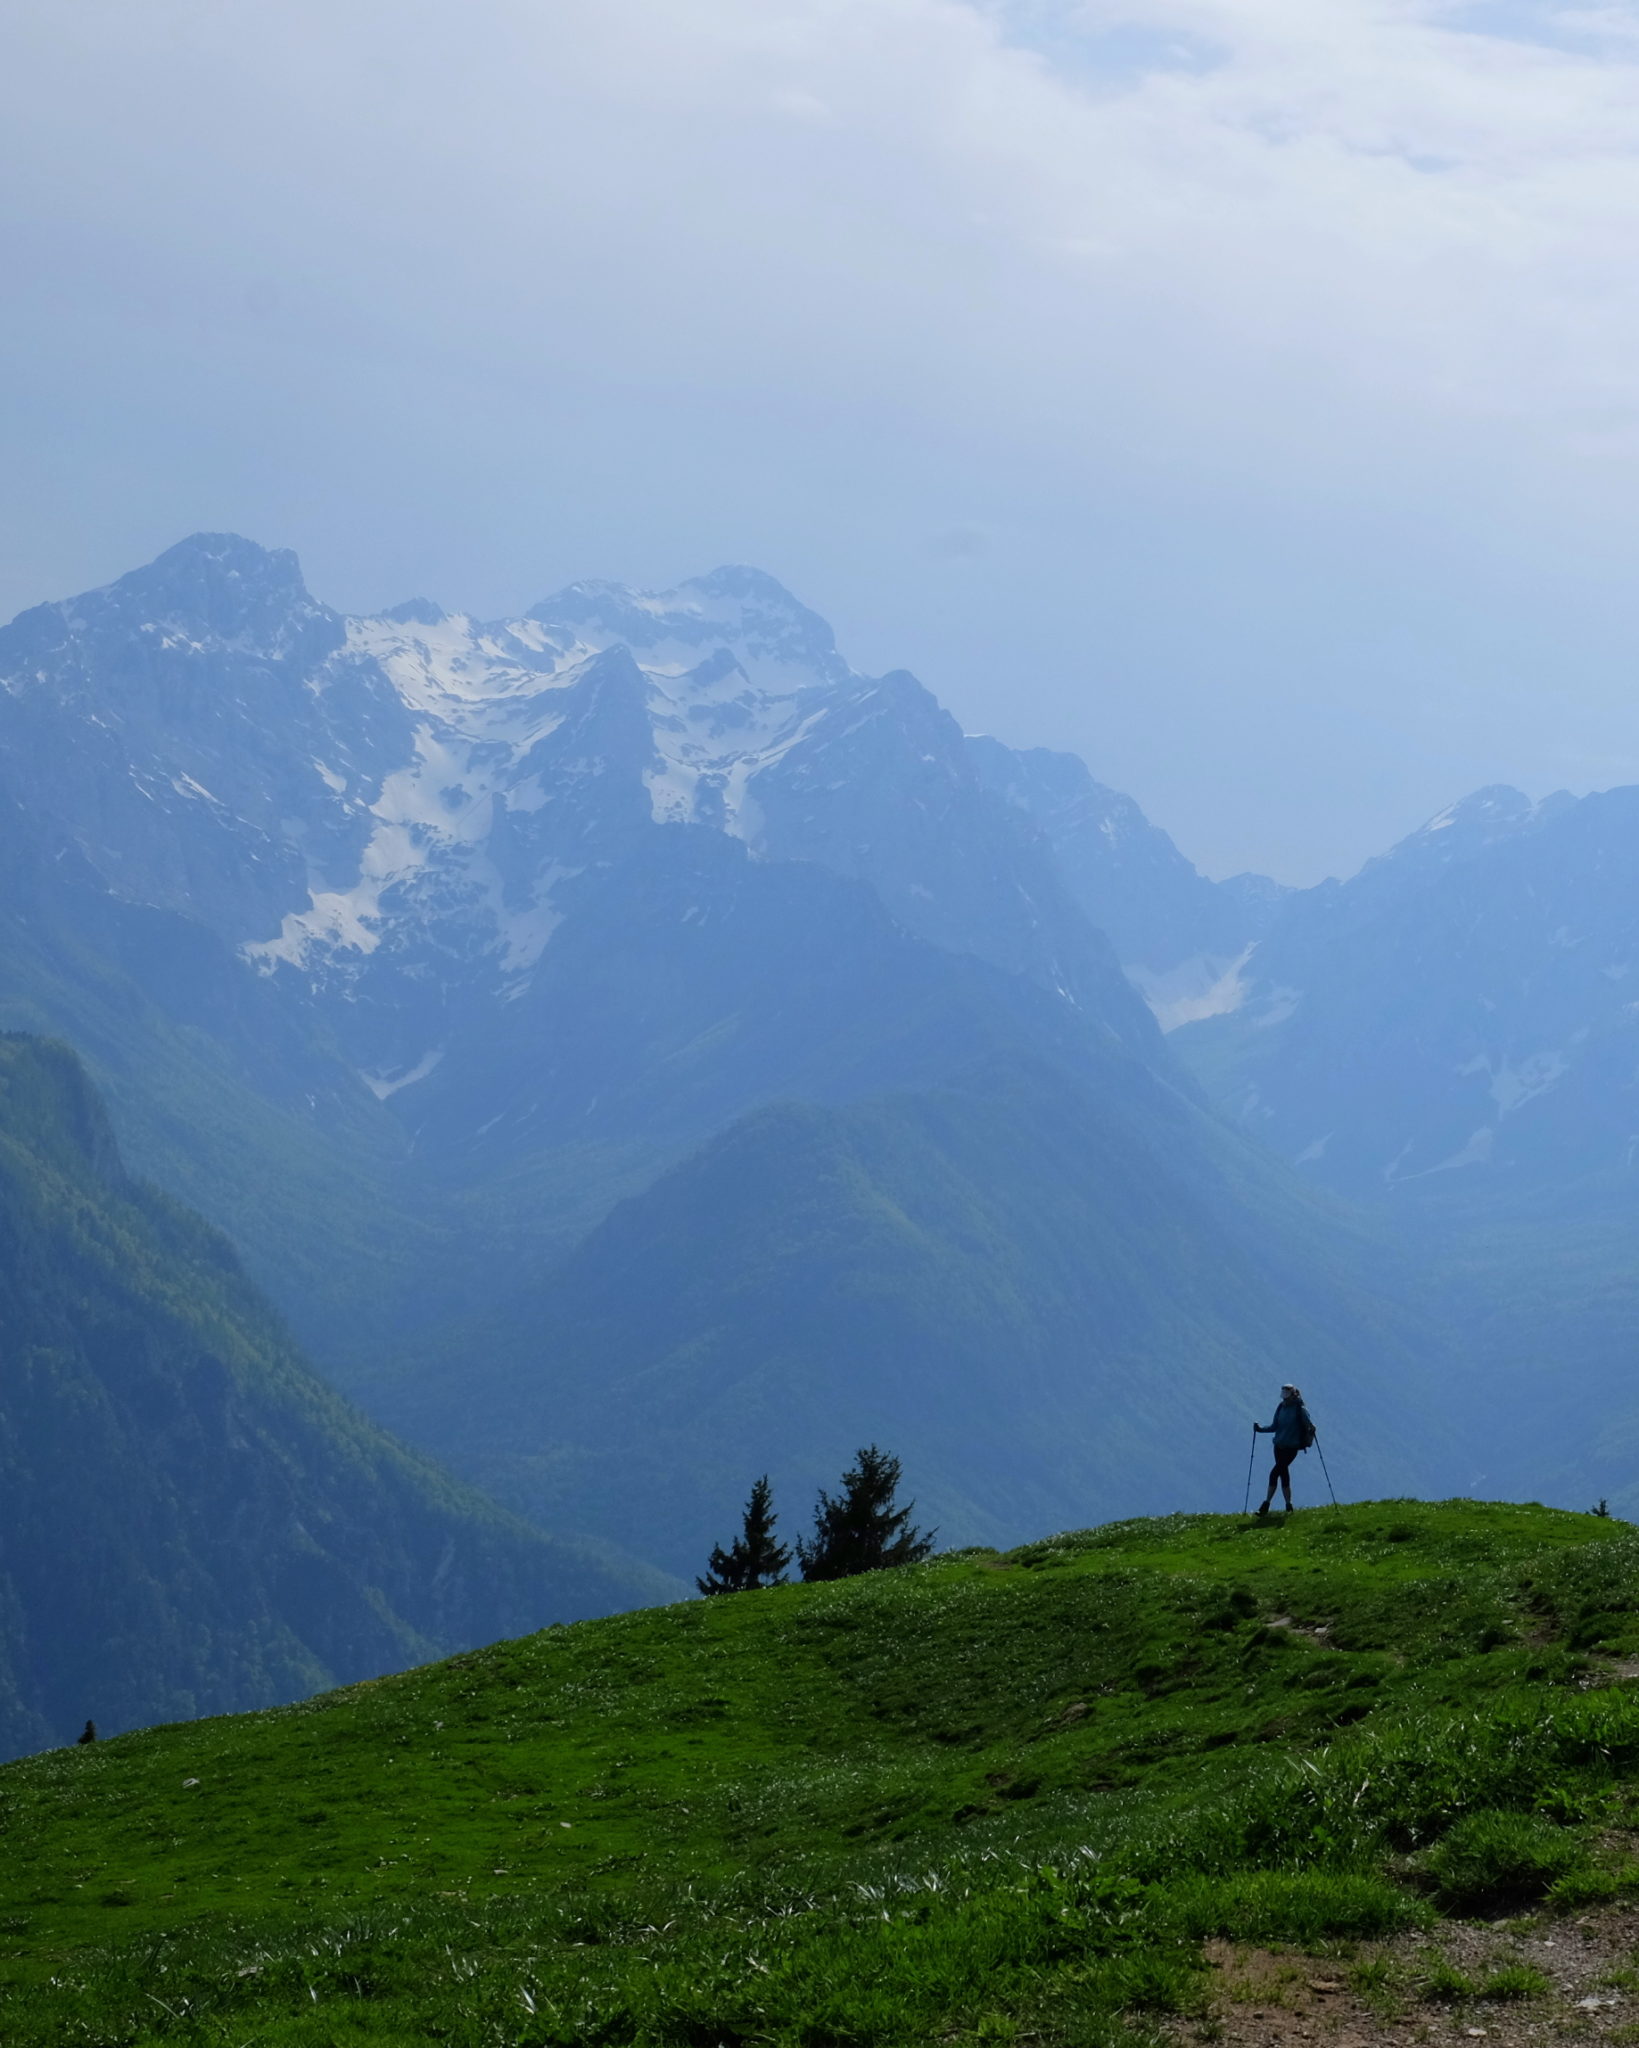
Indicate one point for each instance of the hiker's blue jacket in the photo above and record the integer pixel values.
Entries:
(1290, 1427)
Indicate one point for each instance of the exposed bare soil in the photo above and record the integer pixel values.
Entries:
(1411, 1989)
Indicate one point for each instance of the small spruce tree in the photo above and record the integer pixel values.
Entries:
(861, 1530)
(754, 1559)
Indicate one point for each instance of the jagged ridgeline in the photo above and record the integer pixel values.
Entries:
(599, 1031)
(451, 966)
(189, 1522)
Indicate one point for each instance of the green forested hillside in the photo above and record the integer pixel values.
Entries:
(189, 1522)
(997, 1797)
(1050, 1302)
(1057, 1298)
(222, 1092)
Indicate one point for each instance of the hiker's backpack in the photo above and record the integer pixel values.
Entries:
(1307, 1432)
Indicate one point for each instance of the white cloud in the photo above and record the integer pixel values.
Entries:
(1373, 187)
(1292, 251)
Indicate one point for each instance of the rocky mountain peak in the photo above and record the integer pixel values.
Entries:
(1452, 836)
(219, 586)
(1485, 813)
(779, 643)
(398, 810)
(1496, 812)
(210, 594)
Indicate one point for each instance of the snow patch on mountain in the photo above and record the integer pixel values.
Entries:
(483, 680)
(1476, 1152)
(1512, 1086)
(735, 674)
(433, 822)
(185, 785)
(396, 807)
(709, 747)
(483, 698)
(780, 647)
(335, 921)
(1205, 985)
(383, 1085)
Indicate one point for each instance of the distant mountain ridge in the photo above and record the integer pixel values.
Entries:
(1179, 936)
(495, 925)
(486, 943)
(1462, 1014)
(444, 845)
(398, 809)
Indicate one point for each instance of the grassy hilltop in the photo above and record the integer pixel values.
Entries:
(992, 1797)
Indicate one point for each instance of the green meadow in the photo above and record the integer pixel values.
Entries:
(996, 1797)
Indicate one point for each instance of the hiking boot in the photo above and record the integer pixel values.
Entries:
(1263, 1507)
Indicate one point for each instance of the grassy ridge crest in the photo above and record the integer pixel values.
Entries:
(993, 1796)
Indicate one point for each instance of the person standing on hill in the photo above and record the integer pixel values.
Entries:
(1293, 1432)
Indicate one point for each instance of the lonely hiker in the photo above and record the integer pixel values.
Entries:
(1293, 1432)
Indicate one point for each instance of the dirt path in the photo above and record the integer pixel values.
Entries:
(1510, 1983)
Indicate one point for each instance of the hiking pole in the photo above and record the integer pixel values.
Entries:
(1330, 1488)
(1251, 1456)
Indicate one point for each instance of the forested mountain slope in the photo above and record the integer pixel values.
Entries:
(1049, 1300)
(189, 1522)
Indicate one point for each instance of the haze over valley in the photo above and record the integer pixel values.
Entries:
(819, 1024)
(631, 1050)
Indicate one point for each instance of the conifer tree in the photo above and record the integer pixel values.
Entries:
(861, 1530)
(754, 1559)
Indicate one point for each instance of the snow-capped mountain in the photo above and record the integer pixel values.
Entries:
(399, 812)
(407, 946)
(1462, 1016)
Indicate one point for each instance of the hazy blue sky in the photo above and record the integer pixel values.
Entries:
(1244, 393)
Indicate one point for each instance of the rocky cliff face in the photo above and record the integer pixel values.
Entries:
(398, 813)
